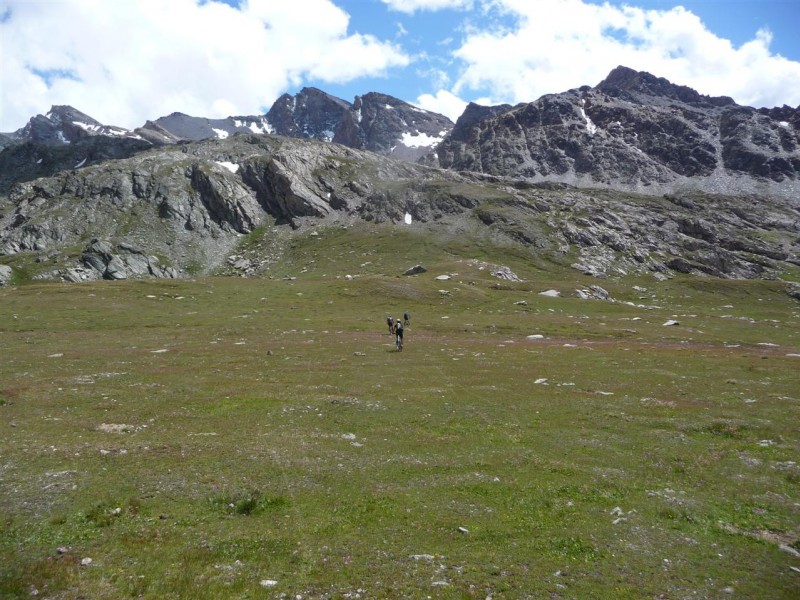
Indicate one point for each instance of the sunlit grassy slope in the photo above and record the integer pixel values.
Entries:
(261, 438)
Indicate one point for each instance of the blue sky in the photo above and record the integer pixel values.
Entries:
(127, 61)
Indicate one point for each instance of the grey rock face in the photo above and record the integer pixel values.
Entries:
(64, 125)
(31, 160)
(189, 204)
(633, 132)
(310, 114)
(415, 270)
(5, 274)
(374, 122)
(119, 262)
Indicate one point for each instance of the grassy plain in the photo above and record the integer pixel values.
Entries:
(260, 438)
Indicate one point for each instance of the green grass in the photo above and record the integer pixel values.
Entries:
(196, 438)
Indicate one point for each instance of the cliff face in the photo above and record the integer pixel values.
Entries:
(633, 132)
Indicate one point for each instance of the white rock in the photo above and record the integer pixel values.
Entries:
(789, 550)
(268, 583)
(550, 293)
(541, 380)
(442, 277)
(85, 562)
(670, 323)
(535, 336)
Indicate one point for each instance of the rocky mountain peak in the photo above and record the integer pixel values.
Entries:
(632, 132)
(474, 113)
(67, 114)
(374, 121)
(625, 82)
(309, 114)
(64, 124)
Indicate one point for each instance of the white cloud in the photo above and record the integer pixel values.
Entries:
(443, 102)
(555, 45)
(412, 6)
(125, 62)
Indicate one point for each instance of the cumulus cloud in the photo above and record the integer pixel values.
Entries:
(443, 102)
(555, 45)
(125, 62)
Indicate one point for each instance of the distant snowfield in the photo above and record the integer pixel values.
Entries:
(232, 167)
(87, 126)
(255, 126)
(221, 133)
(421, 140)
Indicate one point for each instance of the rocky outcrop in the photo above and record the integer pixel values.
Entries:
(122, 261)
(6, 273)
(31, 160)
(189, 204)
(632, 132)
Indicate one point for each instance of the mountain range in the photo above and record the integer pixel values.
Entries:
(633, 174)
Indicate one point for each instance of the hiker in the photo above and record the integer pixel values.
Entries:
(406, 318)
(390, 323)
(398, 331)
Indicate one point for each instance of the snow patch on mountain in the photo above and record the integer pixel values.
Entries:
(421, 140)
(87, 126)
(232, 167)
(591, 128)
